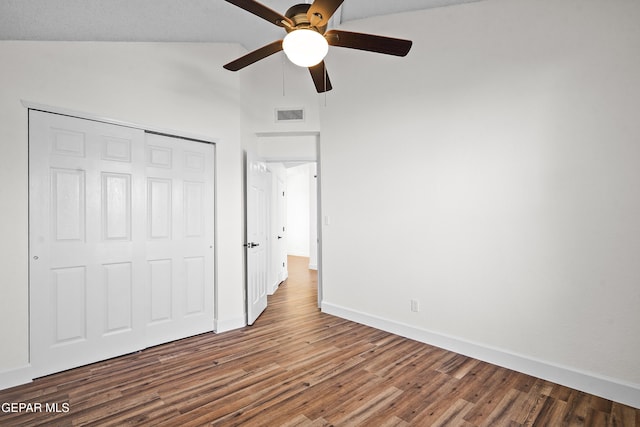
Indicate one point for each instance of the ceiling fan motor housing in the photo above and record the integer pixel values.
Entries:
(298, 14)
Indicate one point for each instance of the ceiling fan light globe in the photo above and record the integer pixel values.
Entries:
(305, 48)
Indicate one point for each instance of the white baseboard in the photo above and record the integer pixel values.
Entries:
(275, 286)
(271, 289)
(225, 325)
(608, 388)
(313, 267)
(15, 377)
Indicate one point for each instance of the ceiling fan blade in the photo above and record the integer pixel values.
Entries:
(369, 42)
(320, 77)
(254, 56)
(321, 11)
(262, 11)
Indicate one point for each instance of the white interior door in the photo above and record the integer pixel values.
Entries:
(85, 241)
(256, 246)
(179, 238)
(99, 281)
(282, 230)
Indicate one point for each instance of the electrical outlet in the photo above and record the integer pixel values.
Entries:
(415, 305)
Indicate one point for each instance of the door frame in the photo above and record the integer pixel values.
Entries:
(281, 241)
(318, 161)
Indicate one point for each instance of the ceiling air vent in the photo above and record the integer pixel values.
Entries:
(288, 115)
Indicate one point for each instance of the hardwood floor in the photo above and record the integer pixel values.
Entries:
(299, 367)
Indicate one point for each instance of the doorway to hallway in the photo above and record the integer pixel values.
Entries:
(292, 226)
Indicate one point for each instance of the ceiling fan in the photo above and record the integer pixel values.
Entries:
(307, 40)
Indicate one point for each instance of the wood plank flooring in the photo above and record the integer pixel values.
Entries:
(299, 367)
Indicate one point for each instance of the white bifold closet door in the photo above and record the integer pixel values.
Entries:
(121, 240)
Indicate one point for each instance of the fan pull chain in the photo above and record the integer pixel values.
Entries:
(283, 64)
(325, 85)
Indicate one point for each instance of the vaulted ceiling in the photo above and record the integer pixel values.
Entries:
(169, 20)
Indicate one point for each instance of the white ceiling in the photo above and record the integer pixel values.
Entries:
(169, 20)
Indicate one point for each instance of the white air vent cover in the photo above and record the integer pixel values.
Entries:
(289, 115)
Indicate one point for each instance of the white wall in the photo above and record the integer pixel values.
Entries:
(180, 87)
(298, 210)
(302, 206)
(265, 90)
(287, 147)
(493, 176)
